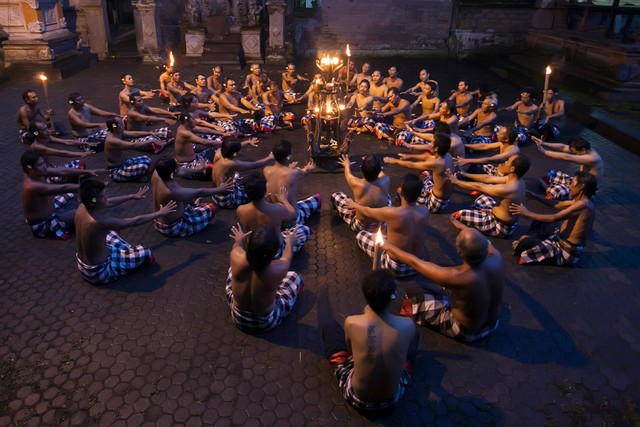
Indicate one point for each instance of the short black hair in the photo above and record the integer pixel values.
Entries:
(230, 147)
(579, 144)
(133, 95)
(411, 187)
(282, 150)
(72, 97)
(255, 186)
(262, 245)
(25, 94)
(187, 99)
(442, 127)
(371, 168)
(451, 105)
(29, 159)
(521, 165)
(90, 189)
(441, 143)
(394, 90)
(512, 133)
(379, 288)
(166, 166)
(590, 183)
(112, 124)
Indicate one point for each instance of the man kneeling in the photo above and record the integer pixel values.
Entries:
(261, 291)
(374, 364)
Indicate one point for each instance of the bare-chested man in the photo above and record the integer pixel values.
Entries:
(456, 150)
(80, 115)
(526, 112)
(372, 190)
(190, 217)
(362, 75)
(46, 217)
(227, 166)
(124, 97)
(255, 83)
(232, 102)
(480, 123)
(378, 90)
(362, 103)
(261, 290)
(292, 83)
(487, 215)
(30, 112)
(215, 82)
(177, 89)
(578, 151)
(399, 109)
(563, 246)
(273, 210)
(418, 89)
(164, 79)
(101, 263)
(393, 80)
(550, 115)
(412, 133)
(507, 146)
(275, 118)
(284, 173)
(463, 99)
(131, 169)
(428, 100)
(471, 311)
(407, 226)
(139, 115)
(436, 189)
(206, 98)
(373, 356)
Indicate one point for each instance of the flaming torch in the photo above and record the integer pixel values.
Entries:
(348, 65)
(547, 74)
(45, 90)
(377, 250)
(171, 59)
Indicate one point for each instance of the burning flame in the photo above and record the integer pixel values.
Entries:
(317, 110)
(334, 60)
(171, 60)
(348, 51)
(329, 108)
(379, 240)
(341, 106)
(548, 70)
(43, 77)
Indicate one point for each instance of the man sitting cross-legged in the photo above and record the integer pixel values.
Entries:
(102, 255)
(471, 311)
(507, 145)
(436, 189)
(372, 191)
(406, 226)
(261, 290)
(80, 115)
(139, 115)
(373, 356)
(121, 169)
(487, 215)
(47, 218)
(259, 211)
(189, 218)
(227, 166)
(565, 245)
(284, 173)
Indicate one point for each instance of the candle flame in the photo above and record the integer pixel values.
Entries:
(171, 59)
(334, 60)
(341, 106)
(548, 70)
(379, 240)
(43, 77)
(329, 108)
(348, 51)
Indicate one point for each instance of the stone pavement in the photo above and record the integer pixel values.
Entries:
(159, 348)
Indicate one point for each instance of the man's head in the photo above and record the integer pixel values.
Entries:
(38, 130)
(230, 86)
(393, 72)
(508, 134)
(527, 94)
(364, 86)
(91, 192)
(33, 163)
(411, 188)
(472, 246)
(371, 168)
(393, 94)
(379, 289)
(447, 107)
(551, 94)
(184, 118)
(429, 88)
(273, 86)
(201, 80)
(166, 166)
(262, 245)
(462, 86)
(518, 164)
(585, 182)
(127, 79)
(366, 68)
(579, 145)
(217, 71)
(376, 76)
(441, 144)
(442, 127)
(188, 101)
(282, 152)
(291, 68)
(423, 75)
(75, 99)
(115, 124)
(255, 69)
(230, 148)
(175, 76)
(136, 100)
(30, 97)
(487, 105)
(255, 186)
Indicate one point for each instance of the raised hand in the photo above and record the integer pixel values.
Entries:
(141, 194)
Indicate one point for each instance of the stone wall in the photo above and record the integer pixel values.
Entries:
(401, 27)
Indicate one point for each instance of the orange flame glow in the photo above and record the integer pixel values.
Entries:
(379, 240)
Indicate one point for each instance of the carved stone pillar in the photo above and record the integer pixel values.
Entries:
(145, 22)
(276, 49)
(97, 28)
(251, 44)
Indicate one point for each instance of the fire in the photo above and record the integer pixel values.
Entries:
(43, 77)
(348, 51)
(329, 108)
(379, 240)
(171, 60)
(548, 70)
